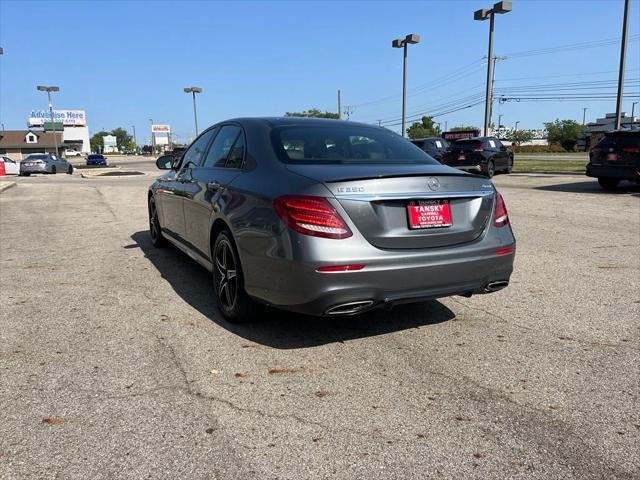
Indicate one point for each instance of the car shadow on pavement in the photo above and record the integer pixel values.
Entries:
(591, 187)
(277, 328)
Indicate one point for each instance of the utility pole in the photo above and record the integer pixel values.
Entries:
(339, 106)
(633, 109)
(623, 53)
(348, 110)
(446, 124)
(584, 114)
(135, 142)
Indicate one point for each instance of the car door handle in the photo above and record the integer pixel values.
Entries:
(214, 186)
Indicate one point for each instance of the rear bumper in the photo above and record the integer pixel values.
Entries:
(611, 171)
(389, 277)
(33, 169)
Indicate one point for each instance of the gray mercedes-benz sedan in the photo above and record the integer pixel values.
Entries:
(327, 217)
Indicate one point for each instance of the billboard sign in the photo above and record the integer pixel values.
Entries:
(76, 118)
(160, 129)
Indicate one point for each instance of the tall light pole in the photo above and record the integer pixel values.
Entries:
(623, 53)
(500, 8)
(517, 122)
(49, 89)
(403, 43)
(633, 109)
(584, 114)
(153, 138)
(193, 91)
(135, 142)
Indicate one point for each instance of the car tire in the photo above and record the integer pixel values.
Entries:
(155, 230)
(608, 183)
(491, 169)
(228, 281)
(53, 169)
(70, 170)
(25, 174)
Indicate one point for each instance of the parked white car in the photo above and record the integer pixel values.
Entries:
(11, 167)
(72, 153)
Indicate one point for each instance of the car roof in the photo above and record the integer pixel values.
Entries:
(624, 131)
(286, 121)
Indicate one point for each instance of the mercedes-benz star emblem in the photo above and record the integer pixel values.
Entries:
(433, 183)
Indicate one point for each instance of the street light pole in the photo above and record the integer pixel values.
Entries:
(153, 138)
(517, 122)
(193, 91)
(623, 53)
(633, 109)
(135, 142)
(49, 89)
(584, 114)
(500, 7)
(403, 43)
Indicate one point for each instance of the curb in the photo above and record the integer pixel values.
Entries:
(6, 186)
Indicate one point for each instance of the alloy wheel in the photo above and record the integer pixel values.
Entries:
(226, 276)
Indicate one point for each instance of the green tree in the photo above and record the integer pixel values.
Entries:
(123, 139)
(519, 136)
(564, 132)
(96, 141)
(313, 112)
(464, 127)
(426, 127)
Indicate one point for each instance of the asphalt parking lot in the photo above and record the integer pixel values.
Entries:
(114, 362)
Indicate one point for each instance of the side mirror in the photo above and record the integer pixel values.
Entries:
(165, 162)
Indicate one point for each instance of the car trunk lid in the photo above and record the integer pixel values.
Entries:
(377, 200)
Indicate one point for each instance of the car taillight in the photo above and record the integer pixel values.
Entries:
(631, 149)
(500, 217)
(479, 149)
(311, 216)
(595, 149)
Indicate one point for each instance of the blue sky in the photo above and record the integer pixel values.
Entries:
(127, 62)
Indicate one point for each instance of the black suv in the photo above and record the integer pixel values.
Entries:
(434, 146)
(486, 155)
(615, 158)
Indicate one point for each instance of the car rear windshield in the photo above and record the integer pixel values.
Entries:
(466, 143)
(620, 141)
(344, 144)
(37, 157)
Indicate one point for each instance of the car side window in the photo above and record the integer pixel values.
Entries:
(221, 146)
(236, 155)
(196, 151)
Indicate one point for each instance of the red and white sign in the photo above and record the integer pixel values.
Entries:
(429, 214)
(160, 129)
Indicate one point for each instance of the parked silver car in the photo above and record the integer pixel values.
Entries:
(328, 218)
(44, 163)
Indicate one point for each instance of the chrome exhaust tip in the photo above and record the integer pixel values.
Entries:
(495, 286)
(349, 308)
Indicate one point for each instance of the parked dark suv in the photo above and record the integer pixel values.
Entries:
(615, 158)
(485, 155)
(434, 146)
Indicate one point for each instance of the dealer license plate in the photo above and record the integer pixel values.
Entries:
(429, 214)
